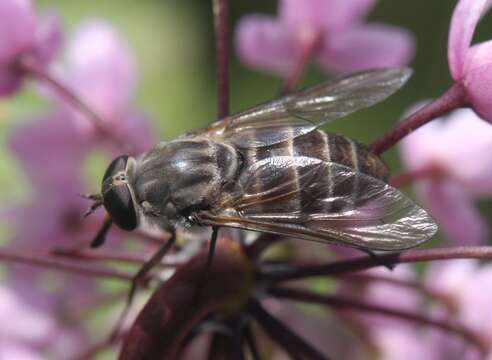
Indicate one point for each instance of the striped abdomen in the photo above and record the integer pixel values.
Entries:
(311, 188)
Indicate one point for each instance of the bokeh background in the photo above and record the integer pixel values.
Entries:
(173, 43)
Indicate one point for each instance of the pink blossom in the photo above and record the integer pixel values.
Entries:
(51, 152)
(384, 294)
(343, 42)
(24, 329)
(470, 65)
(464, 283)
(456, 149)
(101, 71)
(22, 33)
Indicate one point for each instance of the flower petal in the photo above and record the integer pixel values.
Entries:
(49, 37)
(50, 152)
(324, 14)
(477, 78)
(463, 23)
(435, 144)
(103, 71)
(417, 150)
(453, 210)
(17, 28)
(365, 47)
(265, 43)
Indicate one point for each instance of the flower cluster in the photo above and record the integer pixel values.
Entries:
(334, 30)
(52, 148)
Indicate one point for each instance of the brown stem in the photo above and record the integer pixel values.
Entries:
(29, 66)
(302, 271)
(103, 255)
(452, 99)
(221, 18)
(44, 261)
(292, 343)
(410, 177)
(251, 343)
(347, 303)
(309, 43)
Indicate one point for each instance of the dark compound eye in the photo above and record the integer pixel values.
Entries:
(119, 204)
(117, 165)
(117, 197)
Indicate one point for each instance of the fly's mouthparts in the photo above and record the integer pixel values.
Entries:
(96, 198)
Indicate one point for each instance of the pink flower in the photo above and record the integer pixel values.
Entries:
(24, 329)
(51, 152)
(343, 43)
(23, 34)
(464, 283)
(386, 295)
(455, 148)
(471, 66)
(101, 71)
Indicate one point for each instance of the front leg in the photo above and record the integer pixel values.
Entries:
(140, 276)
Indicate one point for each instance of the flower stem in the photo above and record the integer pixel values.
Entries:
(452, 99)
(294, 345)
(347, 303)
(251, 342)
(363, 263)
(104, 255)
(221, 19)
(30, 66)
(410, 177)
(309, 42)
(43, 260)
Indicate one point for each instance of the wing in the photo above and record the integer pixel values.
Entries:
(304, 111)
(323, 201)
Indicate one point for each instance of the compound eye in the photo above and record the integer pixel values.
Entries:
(116, 166)
(119, 204)
(117, 198)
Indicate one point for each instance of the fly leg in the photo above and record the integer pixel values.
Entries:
(208, 264)
(139, 277)
(378, 259)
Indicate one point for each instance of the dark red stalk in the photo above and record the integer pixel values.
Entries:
(452, 99)
(44, 261)
(218, 347)
(411, 177)
(105, 255)
(340, 302)
(292, 343)
(309, 44)
(251, 342)
(221, 22)
(30, 67)
(302, 271)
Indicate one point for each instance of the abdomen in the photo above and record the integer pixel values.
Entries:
(324, 146)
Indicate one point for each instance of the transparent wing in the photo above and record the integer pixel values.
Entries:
(304, 111)
(324, 201)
